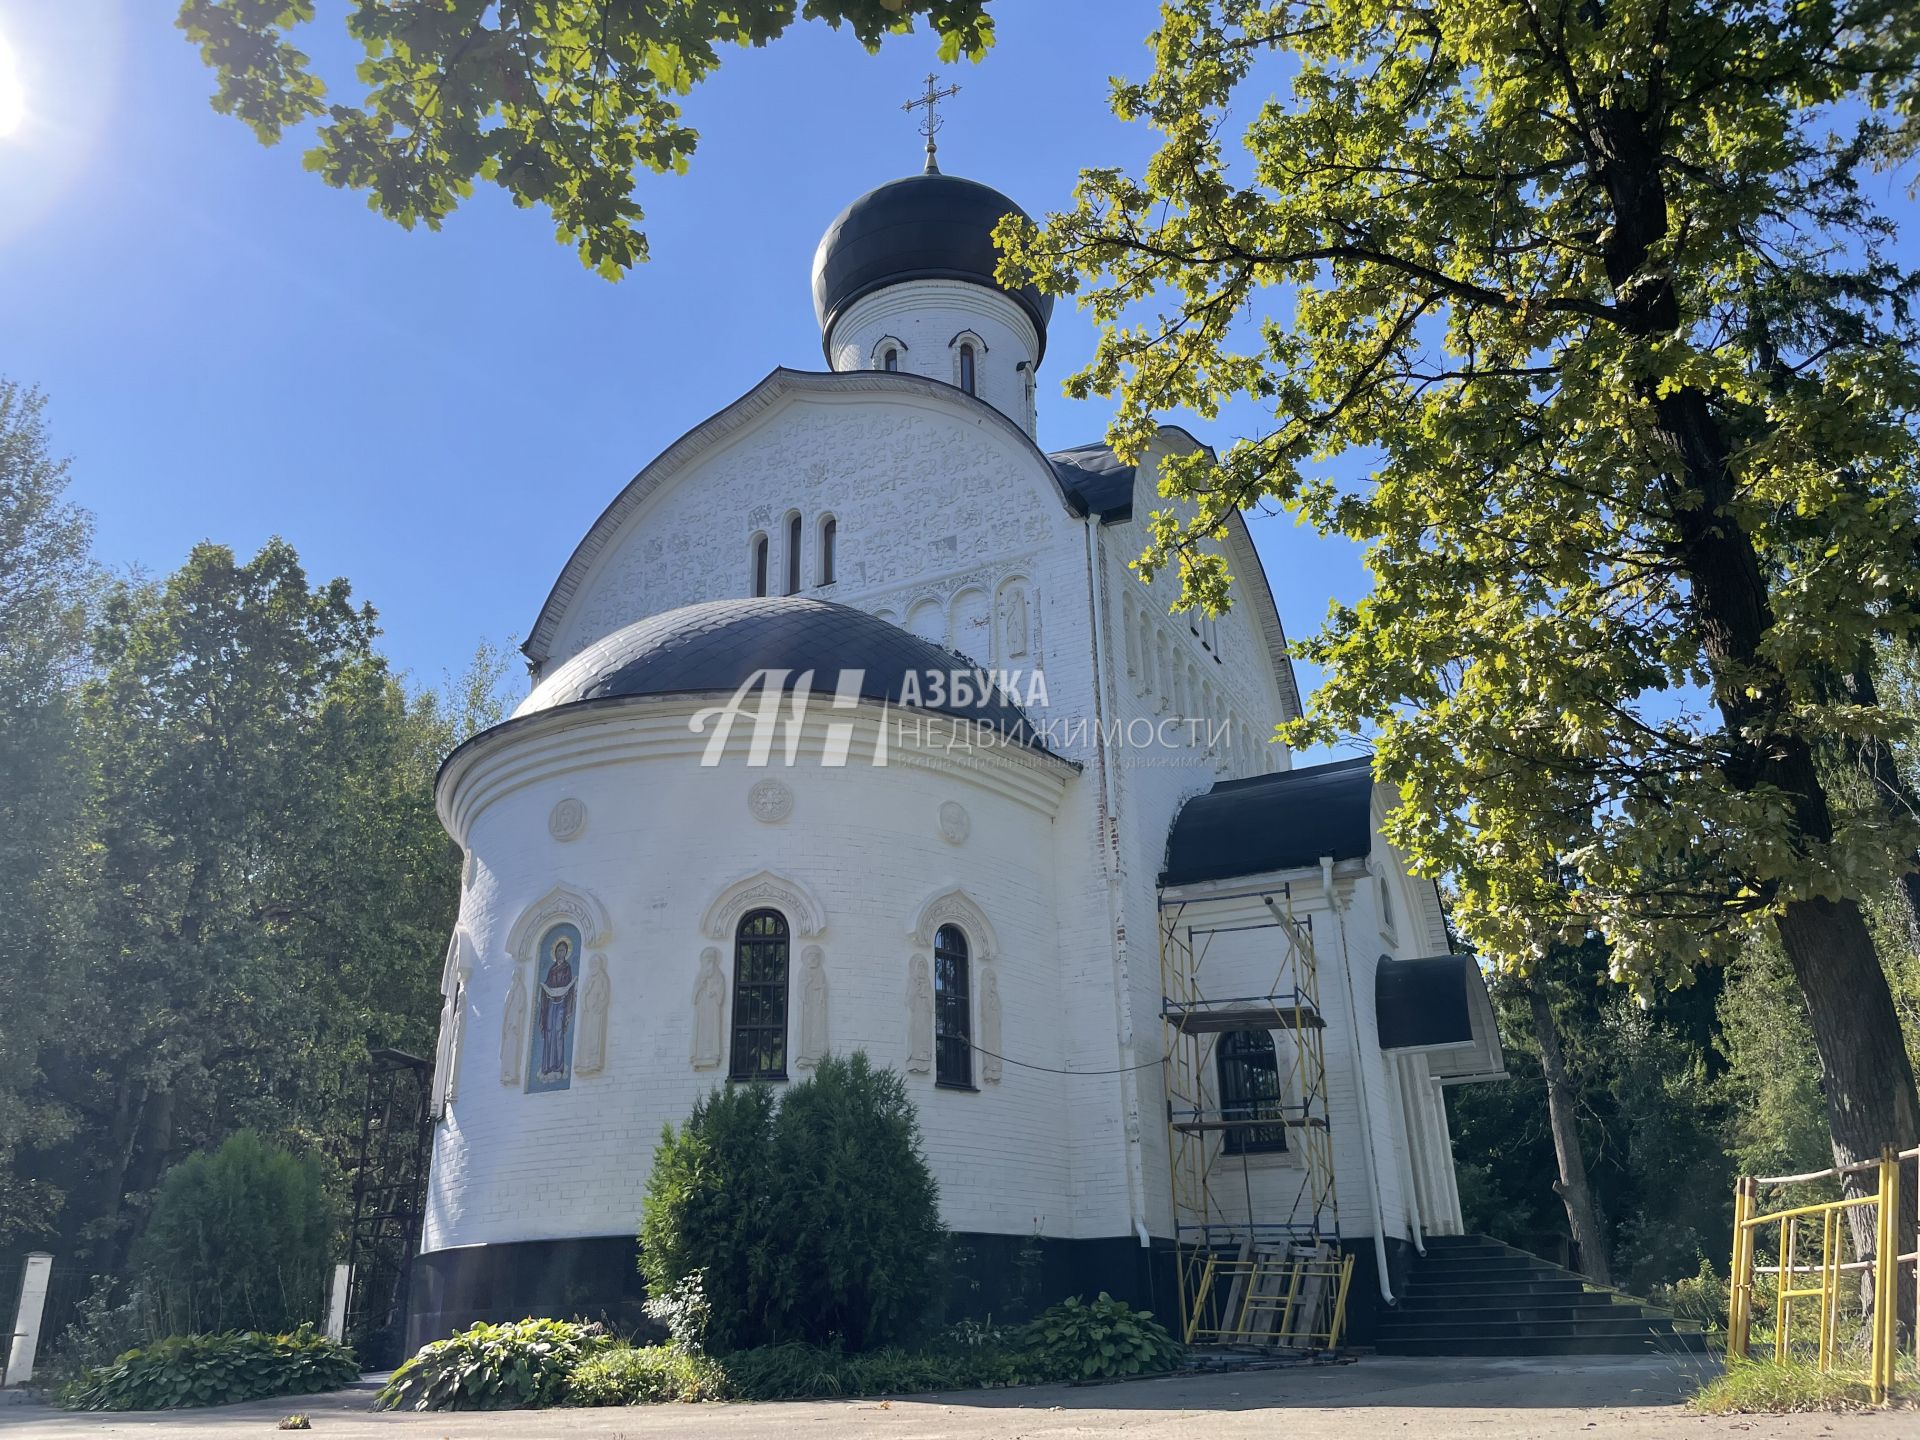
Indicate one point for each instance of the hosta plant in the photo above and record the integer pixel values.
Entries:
(1108, 1338)
(520, 1365)
(188, 1370)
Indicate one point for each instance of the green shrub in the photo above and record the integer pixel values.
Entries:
(646, 1375)
(1701, 1298)
(814, 1218)
(1078, 1341)
(522, 1365)
(239, 1239)
(215, 1370)
(104, 1327)
(707, 1208)
(626, 1375)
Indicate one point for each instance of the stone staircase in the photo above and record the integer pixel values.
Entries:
(1469, 1295)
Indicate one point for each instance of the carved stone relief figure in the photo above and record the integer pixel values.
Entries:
(443, 1050)
(920, 1017)
(709, 1008)
(513, 1031)
(591, 1055)
(1014, 627)
(990, 1027)
(813, 1009)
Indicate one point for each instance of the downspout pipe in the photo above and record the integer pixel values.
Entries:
(1114, 862)
(1416, 1212)
(1360, 1078)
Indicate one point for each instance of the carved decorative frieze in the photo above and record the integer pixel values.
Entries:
(765, 890)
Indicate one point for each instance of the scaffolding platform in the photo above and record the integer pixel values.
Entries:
(1230, 1015)
(1273, 1281)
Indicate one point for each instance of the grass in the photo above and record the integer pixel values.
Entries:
(1760, 1387)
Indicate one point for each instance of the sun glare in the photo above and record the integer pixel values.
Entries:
(13, 97)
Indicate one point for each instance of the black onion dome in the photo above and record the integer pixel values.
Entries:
(925, 227)
(717, 647)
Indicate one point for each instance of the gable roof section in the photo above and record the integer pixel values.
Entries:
(775, 387)
(1088, 485)
(1284, 821)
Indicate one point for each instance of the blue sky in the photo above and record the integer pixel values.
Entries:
(234, 350)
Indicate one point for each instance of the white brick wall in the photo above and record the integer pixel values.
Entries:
(942, 510)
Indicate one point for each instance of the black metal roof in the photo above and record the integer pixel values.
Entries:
(1284, 821)
(719, 646)
(1095, 481)
(1419, 1003)
(922, 227)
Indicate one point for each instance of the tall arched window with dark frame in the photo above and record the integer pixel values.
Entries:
(794, 531)
(967, 379)
(829, 543)
(952, 1010)
(759, 563)
(760, 953)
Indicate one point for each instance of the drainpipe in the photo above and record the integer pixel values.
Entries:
(1360, 1077)
(1115, 867)
(1416, 1224)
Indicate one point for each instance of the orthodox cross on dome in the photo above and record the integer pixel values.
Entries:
(932, 121)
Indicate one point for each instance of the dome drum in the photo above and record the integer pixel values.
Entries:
(923, 227)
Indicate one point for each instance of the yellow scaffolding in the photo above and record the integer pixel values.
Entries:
(1260, 1272)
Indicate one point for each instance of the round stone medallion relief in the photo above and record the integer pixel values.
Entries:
(955, 823)
(568, 819)
(770, 801)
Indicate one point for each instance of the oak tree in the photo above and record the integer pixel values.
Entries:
(1582, 316)
(558, 102)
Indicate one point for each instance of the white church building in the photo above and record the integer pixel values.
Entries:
(852, 729)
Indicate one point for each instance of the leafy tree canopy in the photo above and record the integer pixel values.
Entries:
(558, 102)
(1598, 293)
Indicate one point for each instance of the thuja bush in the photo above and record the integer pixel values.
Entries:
(186, 1370)
(240, 1239)
(522, 1365)
(812, 1218)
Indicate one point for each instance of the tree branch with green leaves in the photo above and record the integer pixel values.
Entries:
(1581, 318)
(561, 103)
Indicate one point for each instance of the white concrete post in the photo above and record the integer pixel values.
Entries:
(26, 1328)
(337, 1303)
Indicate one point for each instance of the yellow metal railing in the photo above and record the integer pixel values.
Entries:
(1809, 1246)
(1295, 1302)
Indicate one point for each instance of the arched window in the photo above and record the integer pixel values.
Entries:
(890, 360)
(794, 531)
(759, 1049)
(966, 368)
(759, 565)
(1250, 1091)
(952, 1010)
(829, 540)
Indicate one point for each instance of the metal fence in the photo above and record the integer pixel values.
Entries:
(1814, 1288)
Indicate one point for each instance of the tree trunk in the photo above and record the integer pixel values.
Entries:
(1868, 1083)
(1896, 796)
(1583, 1217)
